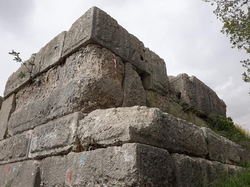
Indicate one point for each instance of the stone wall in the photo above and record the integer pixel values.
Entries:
(195, 93)
(75, 123)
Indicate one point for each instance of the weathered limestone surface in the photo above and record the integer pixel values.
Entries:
(85, 82)
(191, 171)
(8, 107)
(128, 165)
(142, 125)
(14, 148)
(20, 174)
(55, 137)
(223, 150)
(98, 27)
(50, 54)
(198, 95)
(14, 82)
(1, 102)
(134, 93)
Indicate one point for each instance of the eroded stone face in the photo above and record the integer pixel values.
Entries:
(96, 26)
(141, 125)
(20, 174)
(134, 92)
(1, 101)
(223, 150)
(55, 137)
(8, 107)
(198, 95)
(85, 82)
(128, 165)
(192, 171)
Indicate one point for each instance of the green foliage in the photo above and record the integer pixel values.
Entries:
(227, 180)
(235, 16)
(29, 65)
(225, 127)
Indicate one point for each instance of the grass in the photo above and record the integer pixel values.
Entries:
(225, 127)
(226, 180)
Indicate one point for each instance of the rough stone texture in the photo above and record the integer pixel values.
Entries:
(141, 125)
(14, 148)
(190, 171)
(50, 54)
(14, 82)
(58, 136)
(8, 107)
(129, 165)
(134, 93)
(85, 82)
(20, 174)
(198, 95)
(223, 150)
(96, 26)
(1, 102)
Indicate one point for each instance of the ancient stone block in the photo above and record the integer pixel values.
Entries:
(1, 102)
(55, 137)
(96, 26)
(85, 82)
(53, 171)
(128, 165)
(191, 171)
(134, 93)
(50, 54)
(223, 150)
(196, 94)
(14, 82)
(8, 107)
(14, 148)
(20, 174)
(142, 125)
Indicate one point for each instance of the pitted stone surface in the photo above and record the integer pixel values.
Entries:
(141, 125)
(134, 93)
(1, 102)
(20, 174)
(223, 150)
(14, 148)
(85, 82)
(198, 95)
(50, 54)
(8, 107)
(96, 26)
(191, 171)
(55, 137)
(129, 165)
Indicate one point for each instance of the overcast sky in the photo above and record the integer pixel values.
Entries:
(185, 33)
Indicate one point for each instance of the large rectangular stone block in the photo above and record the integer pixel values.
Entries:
(96, 26)
(192, 171)
(141, 125)
(20, 174)
(128, 165)
(8, 107)
(195, 93)
(15, 148)
(85, 82)
(223, 150)
(55, 137)
(50, 54)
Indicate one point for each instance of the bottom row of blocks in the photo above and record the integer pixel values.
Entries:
(131, 164)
